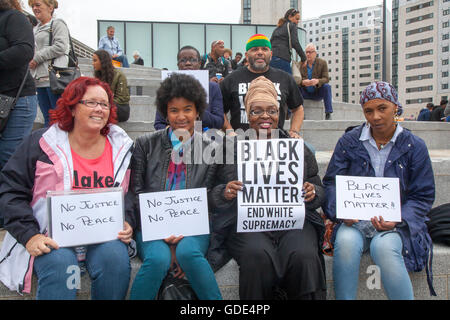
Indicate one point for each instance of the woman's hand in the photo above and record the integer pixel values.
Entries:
(349, 222)
(172, 240)
(126, 234)
(294, 134)
(309, 191)
(174, 265)
(33, 64)
(39, 245)
(382, 225)
(232, 189)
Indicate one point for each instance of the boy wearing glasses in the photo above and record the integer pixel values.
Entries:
(189, 59)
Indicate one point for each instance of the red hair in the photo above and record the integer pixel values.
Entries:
(74, 92)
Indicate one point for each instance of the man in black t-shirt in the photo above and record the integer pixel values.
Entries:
(235, 87)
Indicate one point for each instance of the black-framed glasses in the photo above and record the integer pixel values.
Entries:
(94, 104)
(191, 60)
(260, 112)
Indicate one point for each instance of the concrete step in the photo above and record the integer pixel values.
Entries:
(228, 280)
(314, 110)
(134, 72)
(142, 108)
(440, 160)
(323, 135)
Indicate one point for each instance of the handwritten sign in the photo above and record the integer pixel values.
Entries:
(362, 198)
(174, 213)
(85, 216)
(201, 75)
(272, 172)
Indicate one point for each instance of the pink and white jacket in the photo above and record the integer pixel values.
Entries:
(42, 163)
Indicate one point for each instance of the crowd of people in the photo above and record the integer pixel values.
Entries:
(438, 113)
(81, 139)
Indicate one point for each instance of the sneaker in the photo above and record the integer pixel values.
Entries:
(327, 116)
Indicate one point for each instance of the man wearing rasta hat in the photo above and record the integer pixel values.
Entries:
(235, 86)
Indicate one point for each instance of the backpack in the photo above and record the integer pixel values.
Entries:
(205, 61)
(439, 224)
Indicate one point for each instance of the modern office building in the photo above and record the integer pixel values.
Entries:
(159, 42)
(422, 31)
(352, 44)
(267, 11)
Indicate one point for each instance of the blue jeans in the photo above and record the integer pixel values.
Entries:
(108, 265)
(282, 64)
(124, 60)
(19, 125)
(47, 100)
(322, 93)
(156, 258)
(386, 252)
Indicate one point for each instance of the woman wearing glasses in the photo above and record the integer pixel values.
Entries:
(82, 142)
(287, 262)
(105, 71)
(281, 46)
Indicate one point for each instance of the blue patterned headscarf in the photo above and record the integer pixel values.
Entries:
(381, 90)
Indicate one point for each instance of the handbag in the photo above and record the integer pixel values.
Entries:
(295, 64)
(61, 77)
(175, 289)
(8, 103)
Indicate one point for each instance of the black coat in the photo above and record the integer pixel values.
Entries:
(16, 51)
(149, 166)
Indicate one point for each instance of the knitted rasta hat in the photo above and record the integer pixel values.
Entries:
(258, 40)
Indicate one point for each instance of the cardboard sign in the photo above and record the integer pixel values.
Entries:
(272, 173)
(362, 198)
(201, 75)
(85, 217)
(174, 213)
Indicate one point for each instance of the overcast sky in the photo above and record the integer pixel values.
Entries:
(82, 15)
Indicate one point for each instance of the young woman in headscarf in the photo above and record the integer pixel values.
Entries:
(382, 148)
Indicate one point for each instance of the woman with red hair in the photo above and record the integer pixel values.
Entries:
(81, 143)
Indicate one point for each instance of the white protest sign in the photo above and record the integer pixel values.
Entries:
(201, 75)
(85, 216)
(174, 213)
(272, 173)
(362, 198)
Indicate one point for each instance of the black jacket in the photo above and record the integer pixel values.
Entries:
(280, 42)
(16, 51)
(149, 165)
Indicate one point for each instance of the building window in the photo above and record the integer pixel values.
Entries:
(419, 54)
(420, 30)
(294, 4)
(420, 6)
(247, 12)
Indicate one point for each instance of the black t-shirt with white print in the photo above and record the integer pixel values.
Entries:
(235, 86)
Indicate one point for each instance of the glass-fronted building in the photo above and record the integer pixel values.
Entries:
(159, 42)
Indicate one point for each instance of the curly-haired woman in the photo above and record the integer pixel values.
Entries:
(181, 99)
(105, 71)
(16, 52)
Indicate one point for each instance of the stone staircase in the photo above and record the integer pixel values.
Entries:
(323, 135)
